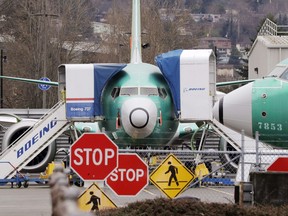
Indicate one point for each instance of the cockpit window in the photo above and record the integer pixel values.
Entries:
(129, 91)
(115, 92)
(162, 92)
(148, 91)
(284, 75)
(278, 71)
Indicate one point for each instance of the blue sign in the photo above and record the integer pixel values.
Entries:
(44, 87)
(78, 110)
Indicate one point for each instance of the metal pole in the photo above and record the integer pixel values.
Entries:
(242, 156)
(44, 104)
(1, 80)
(257, 151)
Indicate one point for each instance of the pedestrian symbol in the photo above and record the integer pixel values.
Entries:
(171, 176)
(94, 199)
(173, 170)
(95, 202)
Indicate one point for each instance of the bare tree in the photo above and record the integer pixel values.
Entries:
(46, 33)
(161, 29)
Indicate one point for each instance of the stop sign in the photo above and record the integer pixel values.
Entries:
(130, 177)
(93, 156)
(279, 165)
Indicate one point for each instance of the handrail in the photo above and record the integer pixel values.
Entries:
(15, 169)
(33, 127)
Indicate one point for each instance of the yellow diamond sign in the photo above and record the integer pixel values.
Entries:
(171, 176)
(94, 199)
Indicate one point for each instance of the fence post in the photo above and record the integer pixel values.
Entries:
(242, 156)
(257, 165)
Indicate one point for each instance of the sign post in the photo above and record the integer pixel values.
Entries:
(130, 177)
(93, 156)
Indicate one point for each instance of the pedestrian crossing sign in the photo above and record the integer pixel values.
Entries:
(94, 199)
(171, 176)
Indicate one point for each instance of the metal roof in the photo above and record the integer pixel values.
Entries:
(274, 41)
(270, 42)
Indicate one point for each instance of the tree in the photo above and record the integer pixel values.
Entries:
(46, 34)
(161, 29)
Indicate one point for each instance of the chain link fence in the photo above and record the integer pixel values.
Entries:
(216, 172)
(214, 181)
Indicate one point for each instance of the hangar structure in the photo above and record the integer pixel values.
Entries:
(269, 48)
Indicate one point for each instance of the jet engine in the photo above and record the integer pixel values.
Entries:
(39, 163)
(232, 165)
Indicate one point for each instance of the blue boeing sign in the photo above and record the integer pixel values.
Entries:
(38, 135)
(44, 87)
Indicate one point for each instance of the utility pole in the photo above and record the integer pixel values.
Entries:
(45, 17)
(3, 59)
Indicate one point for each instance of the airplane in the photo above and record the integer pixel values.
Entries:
(137, 107)
(259, 106)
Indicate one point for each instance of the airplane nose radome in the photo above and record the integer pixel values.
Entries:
(139, 117)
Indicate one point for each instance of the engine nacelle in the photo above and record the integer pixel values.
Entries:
(39, 163)
(232, 165)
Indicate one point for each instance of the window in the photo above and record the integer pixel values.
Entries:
(277, 71)
(284, 75)
(162, 92)
(129, 91)
(115, 92)
(148, 91)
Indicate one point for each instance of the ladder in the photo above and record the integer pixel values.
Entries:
(33, 141)
(221, 131)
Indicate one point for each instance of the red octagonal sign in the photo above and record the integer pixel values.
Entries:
(130, 177)
(93, 156)
(279, 165)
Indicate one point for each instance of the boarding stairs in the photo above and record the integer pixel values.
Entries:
(222, 131)
(33, 141)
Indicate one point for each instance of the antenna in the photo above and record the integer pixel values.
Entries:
(136, 56)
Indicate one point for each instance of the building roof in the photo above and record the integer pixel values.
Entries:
(271, 41)
(274, 41)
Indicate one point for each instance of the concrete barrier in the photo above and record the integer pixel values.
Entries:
(269, 188)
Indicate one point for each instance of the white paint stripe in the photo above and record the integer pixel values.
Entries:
(149, 192)
(220, 191)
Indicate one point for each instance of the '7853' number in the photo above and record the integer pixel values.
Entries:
(270, 126)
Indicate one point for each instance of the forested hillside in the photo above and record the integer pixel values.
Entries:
(39, 35)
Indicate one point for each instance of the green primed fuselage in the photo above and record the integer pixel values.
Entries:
(260, 107)
(134, 77)
(269, 111)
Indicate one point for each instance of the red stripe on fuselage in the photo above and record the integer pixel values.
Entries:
(79, 99)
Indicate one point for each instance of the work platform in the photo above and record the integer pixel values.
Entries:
(36, 139)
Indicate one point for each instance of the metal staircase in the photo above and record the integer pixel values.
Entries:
(221, 131)
(33, 141)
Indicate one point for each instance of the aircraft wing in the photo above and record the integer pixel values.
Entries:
(31, 80)
(7, 119)
(51, 83)
(237, 82)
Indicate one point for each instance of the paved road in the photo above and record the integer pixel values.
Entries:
(36, 201)
(33, 201)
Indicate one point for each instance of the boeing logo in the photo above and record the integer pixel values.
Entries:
(36, 138)
(193, 89)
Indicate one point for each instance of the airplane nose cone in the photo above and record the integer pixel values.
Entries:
(139, 117)
(234, 110)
